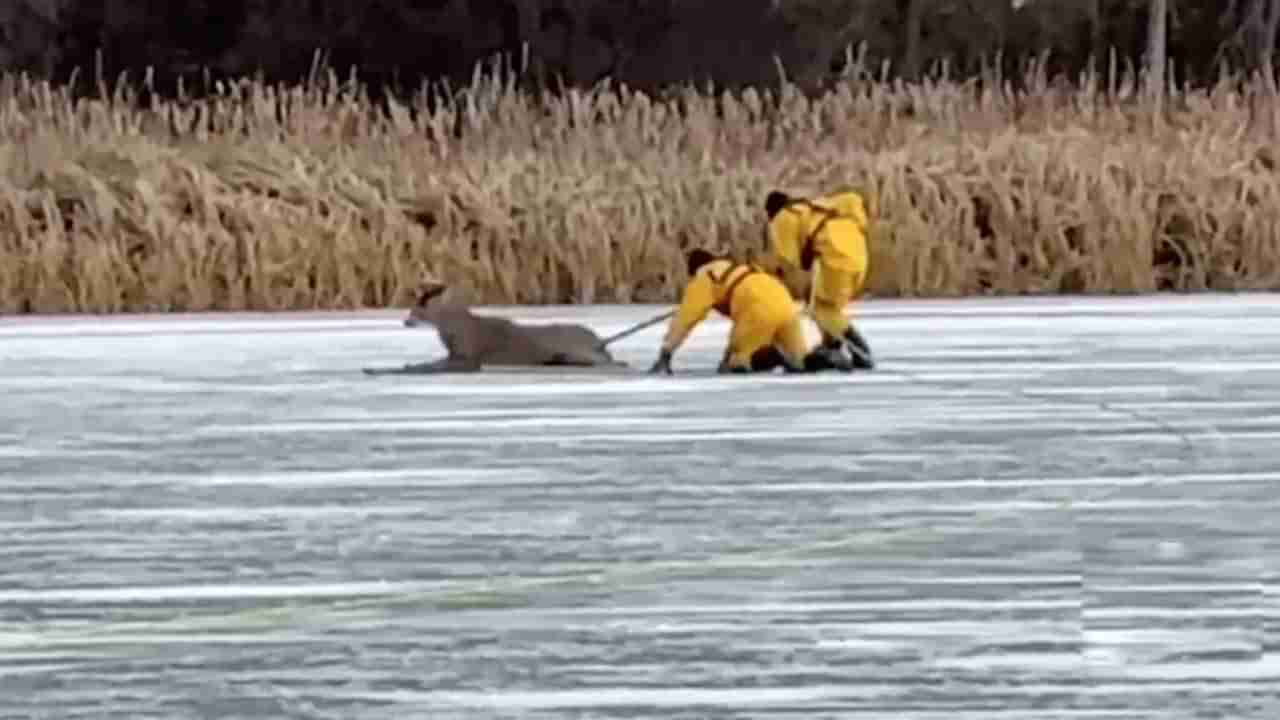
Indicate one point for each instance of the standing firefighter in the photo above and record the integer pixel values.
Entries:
(768, 329)
(826, 236)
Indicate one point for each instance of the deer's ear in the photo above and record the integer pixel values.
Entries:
(431, 292)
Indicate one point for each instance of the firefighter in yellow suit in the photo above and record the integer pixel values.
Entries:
(768, 328)
(826, 236)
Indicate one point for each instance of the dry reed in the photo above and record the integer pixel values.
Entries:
(272, 198)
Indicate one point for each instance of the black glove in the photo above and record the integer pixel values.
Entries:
(663, 364)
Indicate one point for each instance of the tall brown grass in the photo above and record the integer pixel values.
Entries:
(270, 198)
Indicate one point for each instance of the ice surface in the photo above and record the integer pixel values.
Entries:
(1037, 508)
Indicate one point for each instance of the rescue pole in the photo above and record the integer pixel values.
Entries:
(637, 328)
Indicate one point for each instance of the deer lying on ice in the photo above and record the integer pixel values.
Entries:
(474, 341)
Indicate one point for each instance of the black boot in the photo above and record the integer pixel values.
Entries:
(826, 357)
(767, 359)
(764, 360)
(858, 349)
(834, 348)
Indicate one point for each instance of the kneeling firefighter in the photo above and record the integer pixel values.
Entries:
(767, 331)
(826, 236)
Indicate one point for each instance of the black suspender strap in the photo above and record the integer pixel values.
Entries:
(724, 305)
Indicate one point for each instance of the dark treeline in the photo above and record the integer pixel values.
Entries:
(644, 43)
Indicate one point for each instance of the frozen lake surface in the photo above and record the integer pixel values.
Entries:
(1033, 509)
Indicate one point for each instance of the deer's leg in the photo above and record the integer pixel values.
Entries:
(579, 357)
(452, 363)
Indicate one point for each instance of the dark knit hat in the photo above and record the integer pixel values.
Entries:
(774, 202)
(697, 258)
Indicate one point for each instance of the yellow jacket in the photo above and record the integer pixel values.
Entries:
(713, 287)
(831, 228)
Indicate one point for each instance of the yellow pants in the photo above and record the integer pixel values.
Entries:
(765, 316)
(833, 290)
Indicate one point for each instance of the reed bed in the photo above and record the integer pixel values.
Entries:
(268, 197)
